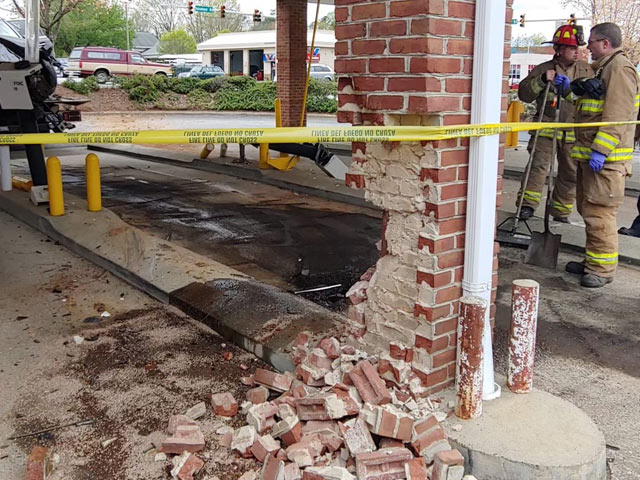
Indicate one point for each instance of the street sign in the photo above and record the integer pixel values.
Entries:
(203, 9)
(514, 21)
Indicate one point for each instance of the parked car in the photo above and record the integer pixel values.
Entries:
(322, 72)
(104, 62)
(204, 72)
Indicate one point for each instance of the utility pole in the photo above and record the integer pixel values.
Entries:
(126, 14)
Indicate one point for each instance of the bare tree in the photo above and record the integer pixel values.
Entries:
(159, 17)
(624, 13)
(51, 14)
(203, 26)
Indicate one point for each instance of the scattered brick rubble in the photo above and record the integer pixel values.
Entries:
(342, 415)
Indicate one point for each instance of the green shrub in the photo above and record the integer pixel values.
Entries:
(322, 96)
(199, 99)
(83, 87)
(183, 85)
(143, 94)
(212, 85)
(245, 93)
(160, 82)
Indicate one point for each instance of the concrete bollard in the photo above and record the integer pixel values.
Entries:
(94, 193)
(54, 182)
(522, 335)
(5, 168)
(469, 372)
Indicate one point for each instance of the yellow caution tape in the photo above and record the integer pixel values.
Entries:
(289, 134)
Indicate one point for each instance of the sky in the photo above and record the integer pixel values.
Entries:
(542, 10)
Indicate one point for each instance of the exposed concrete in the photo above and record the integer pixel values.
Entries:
(161, 268)
(536, 436)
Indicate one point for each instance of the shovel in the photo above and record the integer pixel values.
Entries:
(545, 246)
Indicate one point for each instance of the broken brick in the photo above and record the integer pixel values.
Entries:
(358, 292)
(351, 405)
(289, 430)
(224, 404)
(248, 381)
(258, 395)
(331, 347)
(304, 452)
(383, 464)
(302, 340)
(369, 384)
(186, 438)
(424, 425)
(321, 427)
(416, 469)
(292, 472)
(39, 464)
(448, 464)
(312, 375)
(327, 473)
(226, 439)
(391, 422)
(430, 443)
(285, 410)
(356, 436)
(176, 420)
(320, 407)
(186, 466)
(273, 469)
(261, 416)
(319, 359)
(227, 356)
(197, 411)
(390, 443)
(272, 380)
(264, 446)
(243, 440)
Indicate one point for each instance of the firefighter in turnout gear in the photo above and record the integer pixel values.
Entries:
(604, 154)
(565, 62)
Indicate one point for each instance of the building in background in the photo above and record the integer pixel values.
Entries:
(146, 43)
(247, 53)
(525, 59)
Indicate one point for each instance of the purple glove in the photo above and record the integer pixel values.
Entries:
(562, 83)
(596, 162)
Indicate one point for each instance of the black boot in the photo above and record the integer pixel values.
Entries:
(629, 232)
(526, 213)
(591, 280)
(575, 267)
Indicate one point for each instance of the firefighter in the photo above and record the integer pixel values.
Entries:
(603, 153)
(565, 62)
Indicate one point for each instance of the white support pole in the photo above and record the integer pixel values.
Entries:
(5, 168)
(483, 169)
(32, 31)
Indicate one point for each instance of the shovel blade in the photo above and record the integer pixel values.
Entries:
(543, 249)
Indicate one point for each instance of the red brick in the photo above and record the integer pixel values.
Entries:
(441, 210)
(452, 226)
(460, 46)
(344, 99)
(457, 119)
(272, 380)
(437, 26)
(368, 84)
(448, 294)
(354, 180)
(176, 420)
(350, 66)
(365, 12)
(416, 469)
(387, 29)
(425, 425)
(390, 443)
(434, 345)
(433, 104)
(186, 438)
(410, 8)
(385, 102)
(289, 430)
(457, 190)
(344, 32)
(462, 10)
(224, 404)
(458, 85)
(439, 65)
(368, 47)
(444, 358)
(415, 45)
(438, 175)
(383, 464)
(384, 65)
(432, 313)
(264, 446)
(341, 13)
(357, 437)
(258, 395)
(436, 246)
(434, 280)
(186, 468)
(450, 457)
(273, 469)
(369, 384)
(39, 464)
(446, 326)
(341, 48)
(454, 157)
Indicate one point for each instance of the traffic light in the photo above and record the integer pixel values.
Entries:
(572, 19)
(522, 20)
(222, 11)
(190, 8)
(257, 16)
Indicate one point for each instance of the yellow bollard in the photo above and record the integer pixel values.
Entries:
(94, 193)
(54, 182)
(278, 113)
(263, 161)
(206, 151)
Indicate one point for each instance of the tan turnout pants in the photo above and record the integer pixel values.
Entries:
(564, 192)
(599, 195)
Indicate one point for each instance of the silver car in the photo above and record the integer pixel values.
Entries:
(322, 72)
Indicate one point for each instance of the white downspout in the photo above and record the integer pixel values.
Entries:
(486, 93)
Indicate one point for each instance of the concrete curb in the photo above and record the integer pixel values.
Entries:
(259, 318)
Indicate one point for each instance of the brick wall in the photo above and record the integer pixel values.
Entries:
(409, 62)
(292, 55)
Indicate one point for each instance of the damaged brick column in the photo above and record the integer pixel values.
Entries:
(291, 44)
(409, 62)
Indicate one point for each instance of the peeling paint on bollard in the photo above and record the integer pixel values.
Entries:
(522, 335)
(469, 357)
